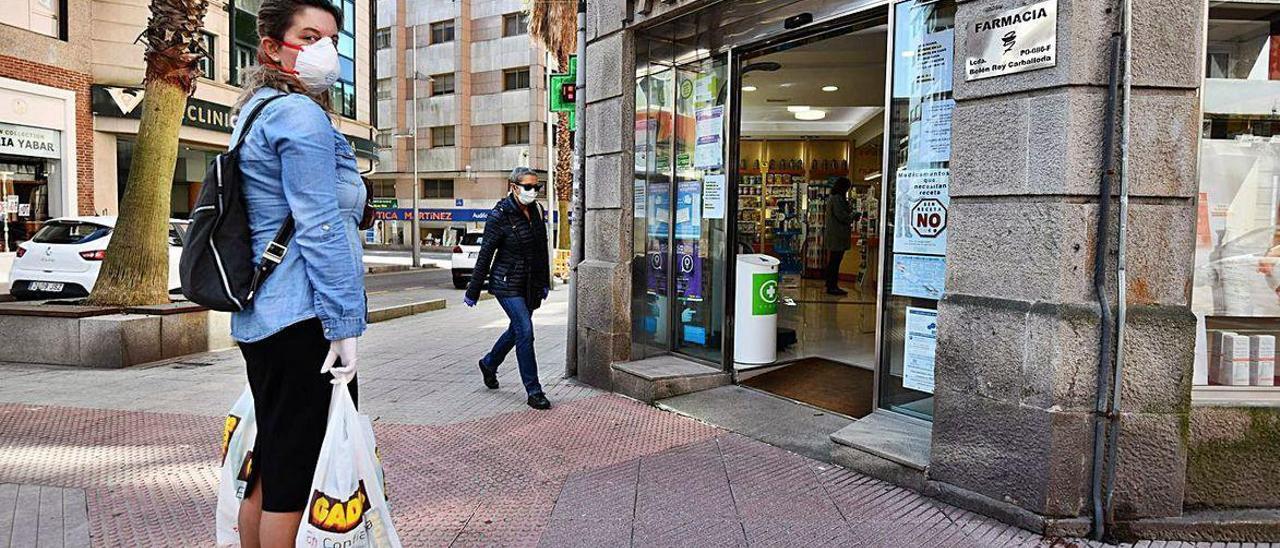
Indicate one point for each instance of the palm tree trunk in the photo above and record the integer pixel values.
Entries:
(564, 172)
(136, 269)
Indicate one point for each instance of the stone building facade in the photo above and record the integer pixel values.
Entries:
(1010, 429)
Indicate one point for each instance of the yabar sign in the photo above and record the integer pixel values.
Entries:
(1011, 41)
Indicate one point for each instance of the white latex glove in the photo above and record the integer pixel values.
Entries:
(345, 349)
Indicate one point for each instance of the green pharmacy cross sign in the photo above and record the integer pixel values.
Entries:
(564, 90)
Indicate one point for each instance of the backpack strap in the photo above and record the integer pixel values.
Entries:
(274, 253)
(253, 115)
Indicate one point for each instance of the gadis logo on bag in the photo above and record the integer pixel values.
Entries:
(228, 430)
(336, 515)
(246, 468)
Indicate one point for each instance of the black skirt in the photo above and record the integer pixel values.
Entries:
(291, 401)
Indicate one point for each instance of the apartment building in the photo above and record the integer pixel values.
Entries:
(480, 111)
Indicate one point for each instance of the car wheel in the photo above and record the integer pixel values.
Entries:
(460, 282)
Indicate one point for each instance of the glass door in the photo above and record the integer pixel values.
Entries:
(917, 177)
(680, 232)
(700, 204)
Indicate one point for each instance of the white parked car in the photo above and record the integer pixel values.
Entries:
(463, 260)
(62, 260)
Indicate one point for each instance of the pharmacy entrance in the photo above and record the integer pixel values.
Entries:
(790, 197)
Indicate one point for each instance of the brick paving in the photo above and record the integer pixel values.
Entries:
(465, 466)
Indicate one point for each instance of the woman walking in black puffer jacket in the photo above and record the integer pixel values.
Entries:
(513, 258)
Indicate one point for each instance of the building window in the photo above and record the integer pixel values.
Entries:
(515, 24)
(383, 139)
(515, 79)
(437, 188)
(442, 136)
(515, 134)
(382, 39)
(442, 32)
(442, 84)
(42, 16)
(243, 36)
(1236, 289)
(207, 66)
(384, 88)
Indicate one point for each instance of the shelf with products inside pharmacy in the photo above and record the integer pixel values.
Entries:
(1238, 365)
(776, 208)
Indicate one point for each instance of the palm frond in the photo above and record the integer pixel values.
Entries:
(553, 23)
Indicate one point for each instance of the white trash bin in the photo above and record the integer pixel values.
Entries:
(755, 337)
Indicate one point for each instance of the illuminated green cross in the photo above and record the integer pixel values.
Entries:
(564, 92)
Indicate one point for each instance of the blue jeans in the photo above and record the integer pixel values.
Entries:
(519, 335)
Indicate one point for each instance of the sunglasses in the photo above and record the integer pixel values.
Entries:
(534, 186)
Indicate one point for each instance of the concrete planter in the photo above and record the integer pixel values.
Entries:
(109, 338)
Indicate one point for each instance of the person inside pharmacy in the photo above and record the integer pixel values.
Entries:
(840, 218)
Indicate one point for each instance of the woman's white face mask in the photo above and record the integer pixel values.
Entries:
(317, 64)
(526, 196)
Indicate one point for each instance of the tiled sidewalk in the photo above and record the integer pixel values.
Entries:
(150, 478)
(599, 471)
(465, 466)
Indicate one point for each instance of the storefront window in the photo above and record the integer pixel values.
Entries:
(30, 179)
(680, 193)
(1236, 296)
(655, 92)
(916, 191)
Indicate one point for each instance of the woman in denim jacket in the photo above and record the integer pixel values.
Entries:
(306, 316)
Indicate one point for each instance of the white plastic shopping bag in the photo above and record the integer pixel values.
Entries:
(238, 435)
(347, 506)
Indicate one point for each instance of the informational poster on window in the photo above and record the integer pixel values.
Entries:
(658, 210)
(688, 232)
(1011, 41)
(639, 197)
(704, 90)
(646, 132)
(920, 349)
(713, 199)
(930, 140)
(919, 276)
(708, 152)
(931, 63)
(658, 228)
(923, 197)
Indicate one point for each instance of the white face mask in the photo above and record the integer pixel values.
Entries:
(526, 196)
(317, 65)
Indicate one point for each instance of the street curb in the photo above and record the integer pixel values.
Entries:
(402, 310)
(389, 268)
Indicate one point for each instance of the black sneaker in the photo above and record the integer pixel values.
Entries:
(490, 378)
(837, 292)
(539, 401)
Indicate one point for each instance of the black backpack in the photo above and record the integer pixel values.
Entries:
(216, 267)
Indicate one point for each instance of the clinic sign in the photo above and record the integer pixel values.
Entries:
(31, 142)
(1012, 41)
(126, 102)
